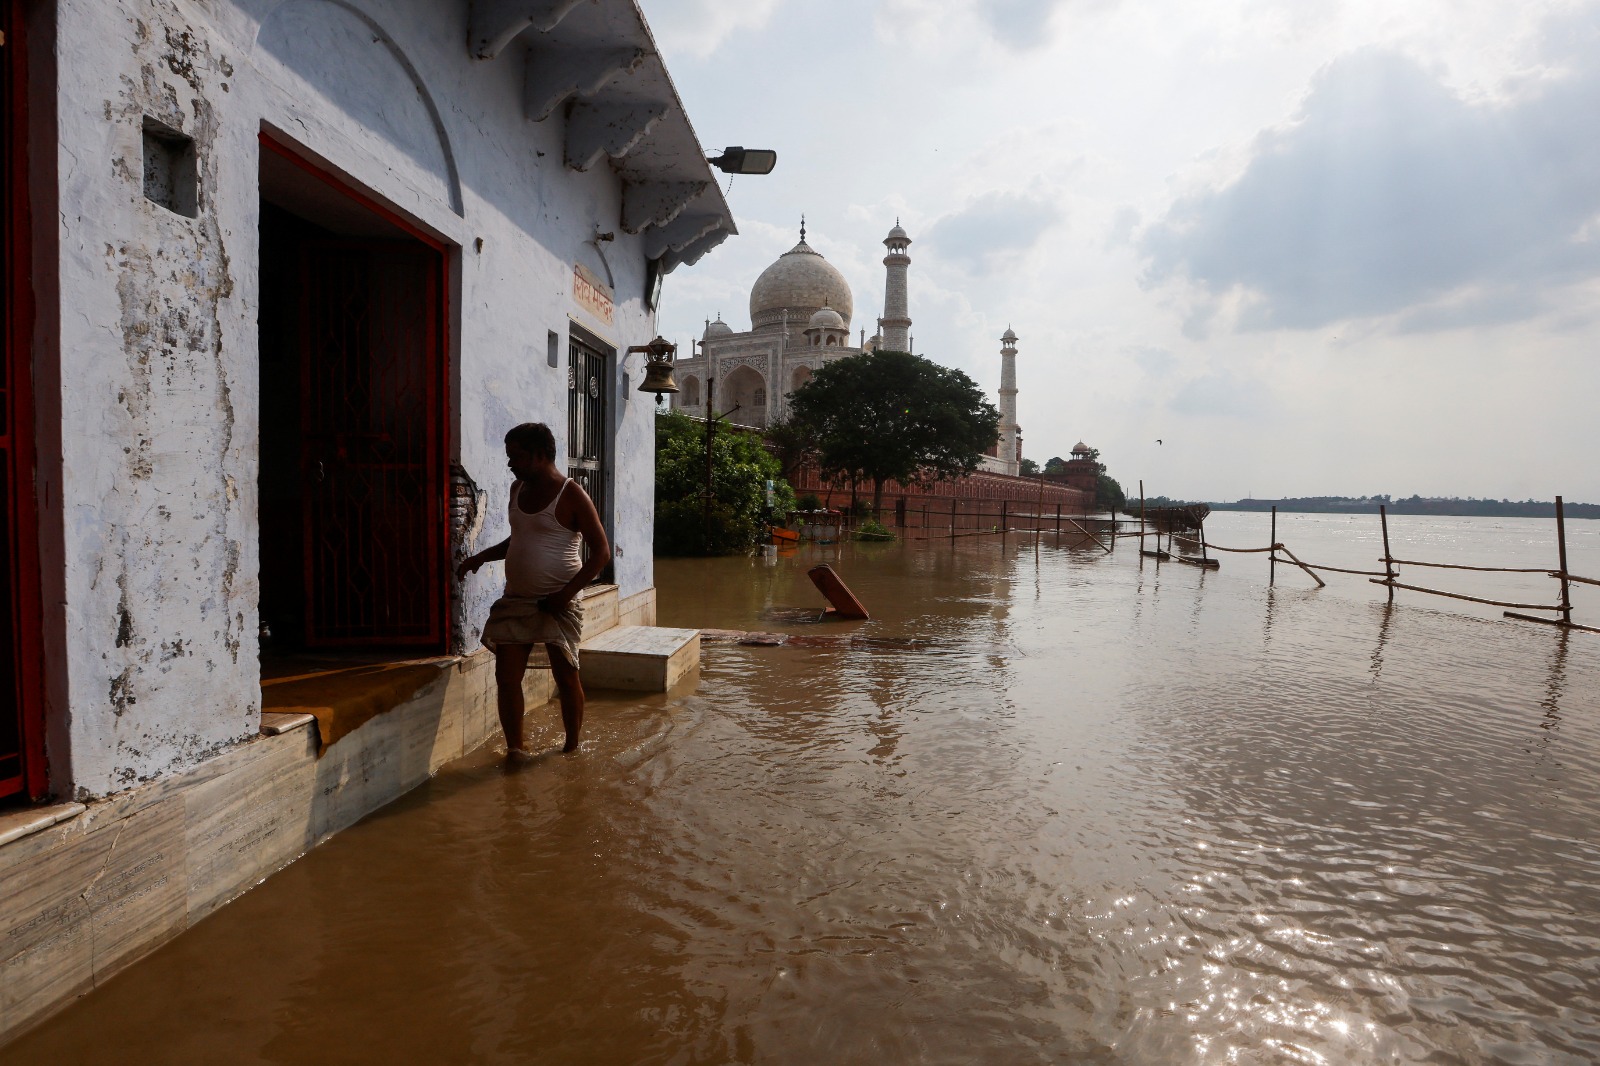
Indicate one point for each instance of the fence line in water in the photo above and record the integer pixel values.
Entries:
(1388, 577)
(970, 518)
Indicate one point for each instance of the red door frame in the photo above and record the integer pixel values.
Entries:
(21, 507)
(438, 407)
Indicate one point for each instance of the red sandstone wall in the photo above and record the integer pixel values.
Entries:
(978, 486)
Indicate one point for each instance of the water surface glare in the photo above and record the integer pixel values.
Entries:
(1097, 811)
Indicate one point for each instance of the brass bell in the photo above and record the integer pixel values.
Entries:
(658, 378)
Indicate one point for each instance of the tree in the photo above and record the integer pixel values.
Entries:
(892, 416)
(1108, 494)
(794, 443)
(1056, 465)
(1028, 468)
(740, 469)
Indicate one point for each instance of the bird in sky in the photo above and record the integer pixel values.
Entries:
(1158, 440)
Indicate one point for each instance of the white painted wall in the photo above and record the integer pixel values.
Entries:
(156, 491)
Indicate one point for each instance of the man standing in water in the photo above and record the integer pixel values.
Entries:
(550, 516)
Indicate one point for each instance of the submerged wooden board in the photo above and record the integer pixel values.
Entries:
(836, 592)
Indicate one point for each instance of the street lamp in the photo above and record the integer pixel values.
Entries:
(745, 160)
(658, 357)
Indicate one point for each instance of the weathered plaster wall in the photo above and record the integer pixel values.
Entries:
(160, 577)
(158, 322)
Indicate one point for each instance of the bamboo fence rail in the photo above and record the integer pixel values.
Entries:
(1389, 576)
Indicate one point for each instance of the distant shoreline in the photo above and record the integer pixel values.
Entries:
(1415, 506)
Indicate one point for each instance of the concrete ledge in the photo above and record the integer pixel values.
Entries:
(599, 609)
(639, 658)
(18, 824)
(276, 722)
(638, 609)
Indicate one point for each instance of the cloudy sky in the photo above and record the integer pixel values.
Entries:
(1332, 247)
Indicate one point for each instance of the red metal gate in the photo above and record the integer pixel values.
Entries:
(372, 426)
(22, 766)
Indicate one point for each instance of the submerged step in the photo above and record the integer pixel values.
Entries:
(639, 658)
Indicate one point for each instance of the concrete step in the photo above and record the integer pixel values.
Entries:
(639, 658)
(599, 609)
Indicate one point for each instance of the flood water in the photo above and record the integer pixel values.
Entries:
(1051, 806)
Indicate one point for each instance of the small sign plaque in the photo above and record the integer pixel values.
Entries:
(592, 294)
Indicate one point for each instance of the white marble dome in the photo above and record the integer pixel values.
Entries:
(801, 281)
(718, 328)
(826, 318)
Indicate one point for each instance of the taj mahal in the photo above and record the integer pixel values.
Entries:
(800, 313)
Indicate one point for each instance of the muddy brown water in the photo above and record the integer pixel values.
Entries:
(1055, 809)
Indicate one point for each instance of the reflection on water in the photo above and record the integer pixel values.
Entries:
(1050, 807)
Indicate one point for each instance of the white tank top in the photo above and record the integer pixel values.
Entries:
(543, 554)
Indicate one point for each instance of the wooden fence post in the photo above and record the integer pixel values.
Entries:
(1141, 515)
(952, 520)
(1003, 504)
(1272, 551)
(1388, 565)
(1561, 541)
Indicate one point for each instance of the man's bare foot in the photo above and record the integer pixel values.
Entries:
(518, 755)
(570, 746)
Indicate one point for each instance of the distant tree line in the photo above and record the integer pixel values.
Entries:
(1452, 505)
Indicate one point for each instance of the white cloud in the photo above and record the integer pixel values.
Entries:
(697, 28)
(994, 226)
(1390, 192)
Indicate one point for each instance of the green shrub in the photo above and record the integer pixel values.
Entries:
(809, 502)
(740, 467)
(873, 528)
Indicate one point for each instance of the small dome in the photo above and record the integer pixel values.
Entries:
(799, 282)
(826, 318)
(897, 234)
(1080, 448)
(1008, 336)
(718, 328)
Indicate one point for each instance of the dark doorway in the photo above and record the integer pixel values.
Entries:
(353, 417)
(22, 765)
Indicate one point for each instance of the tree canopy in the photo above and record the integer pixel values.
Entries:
(1108, 494)
(1028, 468)
(740, 469)
(883, 416)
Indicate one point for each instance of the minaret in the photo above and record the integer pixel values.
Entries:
(1008, 401)
(896, 320)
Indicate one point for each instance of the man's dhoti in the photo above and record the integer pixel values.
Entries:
(518, 620)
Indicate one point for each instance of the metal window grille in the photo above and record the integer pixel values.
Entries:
(588, 424)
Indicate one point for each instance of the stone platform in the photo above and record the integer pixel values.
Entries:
(639, 658)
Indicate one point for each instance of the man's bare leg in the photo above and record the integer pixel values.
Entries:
(510, 663)
(570, 688)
